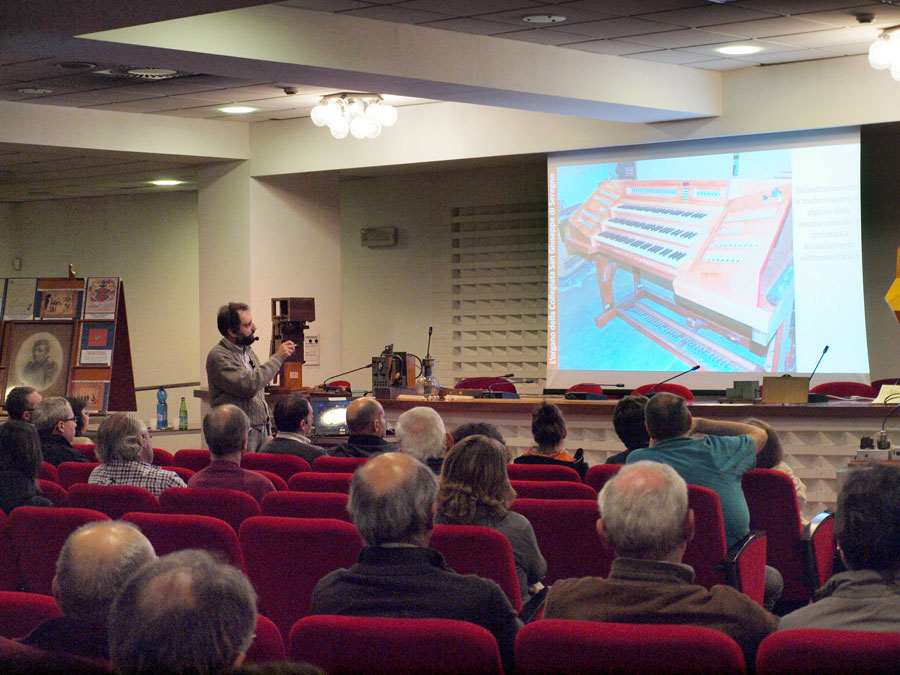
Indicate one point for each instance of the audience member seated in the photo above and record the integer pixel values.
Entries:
(225, 429)
(20, 463)
(645, 519)
(391, 503)
(183, 613)
(294, 419)
(772, 457)
(123, 445)
(21, 402)
(95, 562)
(366, 424)
(55, 422)
(82, 419)
(549, 431)
(475, 490)
(717, 461)
(421, 434)
(628, 421)
(476, 429)
(867, 531)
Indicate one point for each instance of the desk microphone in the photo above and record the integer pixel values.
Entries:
(818, 362)
(816, 398)
(346, 372)
(652, 389)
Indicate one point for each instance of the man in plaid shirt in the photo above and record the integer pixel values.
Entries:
(123, 445)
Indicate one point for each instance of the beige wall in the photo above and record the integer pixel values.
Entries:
(6, 254)
(296, 252)
(151, 243)
(392, 295)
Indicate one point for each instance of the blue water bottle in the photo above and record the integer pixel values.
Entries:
(162, 409)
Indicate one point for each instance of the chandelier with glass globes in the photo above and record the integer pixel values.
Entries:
(360, 115)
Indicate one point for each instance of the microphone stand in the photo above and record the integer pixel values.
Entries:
(347, 372)
(816, 398)
(652, 390)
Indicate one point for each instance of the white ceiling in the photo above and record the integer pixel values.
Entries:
(37, 50)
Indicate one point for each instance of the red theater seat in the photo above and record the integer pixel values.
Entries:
(20, 613)
(286, 557)
(349, 644)
(232, 506)
(808, 651)
(543, 472)
(553, 489)
(283, 465)
(598, 474)
(312, 481)
(338, 464)
(561, 646)
(193, 459)
(306, 505)
(113, 500)
(169, 532)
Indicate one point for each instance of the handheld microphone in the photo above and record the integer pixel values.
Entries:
(653, 388)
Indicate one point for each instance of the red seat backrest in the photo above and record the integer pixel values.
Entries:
(193, 459)
(54, 492)
(113, 500)
(772, 501)
(268, 645)
(668, 387)
(48, 472)
(708, 547)
(552, 489)
(338, 464)
(20, 613)
(286, 557)
(491, 383)
(163, 457)
(283, 465)
(810, 651)
(845, 389)
(306, 505)
(169, 532)
(564, 646)
(599, 474)
(566, 532)
(274, 478)
(471, 549)
(350, 644)
(312, 481)
(38, 534)
(88, 450)
(232, 506)
(542, 472)
(70, 473)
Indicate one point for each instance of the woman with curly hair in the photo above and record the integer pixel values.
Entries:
(475, 490)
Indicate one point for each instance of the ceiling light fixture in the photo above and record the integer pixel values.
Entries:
(237, 109)
(884, 53)
(739, 50)
(166, 182)
(543, 18)
(362, 115)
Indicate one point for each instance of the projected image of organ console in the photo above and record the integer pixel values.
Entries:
(721, 250)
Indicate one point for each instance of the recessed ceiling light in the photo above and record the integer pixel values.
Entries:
(543, 18)
(33, 90)
(237, 109)
(739, 50)
(166, 183)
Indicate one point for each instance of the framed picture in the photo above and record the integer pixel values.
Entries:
(59, 304)
(37, 355)
(95, 393)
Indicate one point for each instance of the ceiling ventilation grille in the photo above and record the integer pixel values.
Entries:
(143, 74)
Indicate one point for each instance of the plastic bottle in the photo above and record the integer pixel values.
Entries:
(162, 409)
(182, 415)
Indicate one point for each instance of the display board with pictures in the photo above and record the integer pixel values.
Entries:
(67, 337)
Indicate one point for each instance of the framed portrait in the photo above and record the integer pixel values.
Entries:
(37, 355)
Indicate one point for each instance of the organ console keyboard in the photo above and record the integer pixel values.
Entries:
(721, 246)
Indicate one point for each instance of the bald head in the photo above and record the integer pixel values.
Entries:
(644, 511)
(185, 612)
(225, 428)
(366, 416)
(391, 498)
(94, 563)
